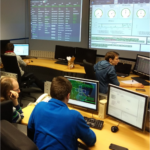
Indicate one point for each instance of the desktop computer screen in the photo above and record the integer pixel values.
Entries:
(142, 65)
(21, 49)
(84, 93)
(127, 106)
(61, 52)
(84, 53)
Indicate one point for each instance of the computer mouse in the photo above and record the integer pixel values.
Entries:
(114, 129)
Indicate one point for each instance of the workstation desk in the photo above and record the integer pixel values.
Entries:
(127, 136)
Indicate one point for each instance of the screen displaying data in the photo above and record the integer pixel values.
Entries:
(120, 25)
(142, 65)
(56, 20)
(84, 93)
(127, 106)
(21, 49)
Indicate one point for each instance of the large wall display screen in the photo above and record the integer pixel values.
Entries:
(56, 20)
(120, 25)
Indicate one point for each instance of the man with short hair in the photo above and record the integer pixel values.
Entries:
(106, 73)
(55, 126)
(10, 52)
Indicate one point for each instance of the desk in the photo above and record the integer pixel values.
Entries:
(50, 63)
(126, 136)
(147, 88)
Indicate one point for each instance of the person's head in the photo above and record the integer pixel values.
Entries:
(8, 84)
(10, 47)
(60, 88)
(112, 57)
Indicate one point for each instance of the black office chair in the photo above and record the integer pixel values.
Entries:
(6, 110)
(11, 65)
(90, 74)
(13, 139)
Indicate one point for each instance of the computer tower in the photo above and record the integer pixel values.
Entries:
(102, 109)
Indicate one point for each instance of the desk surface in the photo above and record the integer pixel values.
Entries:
(127, 136)
(50, 63)
(147, 88)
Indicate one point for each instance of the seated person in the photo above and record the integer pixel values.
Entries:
(106, 73)
(10, 52)
(55, 125)
(9, 91)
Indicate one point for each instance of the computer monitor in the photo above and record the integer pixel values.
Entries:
(142, 65)
(84, 93)
(84, 53)
(61, 52)
(21, 49)
(3, 44)
(127, 106)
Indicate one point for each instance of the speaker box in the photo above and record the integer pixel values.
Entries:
(102, 109)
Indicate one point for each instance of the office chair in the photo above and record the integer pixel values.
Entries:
(6, 110)
(89, 70)
(13, 139)
(11, 65)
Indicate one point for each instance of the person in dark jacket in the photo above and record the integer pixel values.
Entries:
(105, 73)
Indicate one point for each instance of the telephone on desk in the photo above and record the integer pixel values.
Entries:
(44, 97)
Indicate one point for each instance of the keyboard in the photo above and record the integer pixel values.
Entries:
(122, 74)
(98, 124)
(62, 62)
(140, 80)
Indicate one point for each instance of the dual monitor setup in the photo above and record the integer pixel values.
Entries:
(122, 104)
(61, 52)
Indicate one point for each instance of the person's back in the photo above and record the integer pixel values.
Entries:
(57, 127)
(105, 73)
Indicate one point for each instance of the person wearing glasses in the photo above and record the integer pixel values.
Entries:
(10, 91)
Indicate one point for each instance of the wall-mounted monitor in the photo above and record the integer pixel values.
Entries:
(120, 25)
(127, 106)
(84, 93)
(56, 20)
(21, 49)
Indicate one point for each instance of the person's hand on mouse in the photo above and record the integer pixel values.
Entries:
(14, 97)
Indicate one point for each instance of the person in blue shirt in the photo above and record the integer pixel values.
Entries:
(105, 73)
(54, 125)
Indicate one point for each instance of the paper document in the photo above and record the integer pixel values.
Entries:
(130, 81)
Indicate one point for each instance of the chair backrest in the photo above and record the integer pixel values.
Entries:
(11, 65)
(89, 70)
(13, 139)
(6, 110)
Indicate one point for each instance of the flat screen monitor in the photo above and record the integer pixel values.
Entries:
(142, 65)
(61, 52)
(127, 106)
(3, 44)
(84, 53)
(21, 49)
(84, 93)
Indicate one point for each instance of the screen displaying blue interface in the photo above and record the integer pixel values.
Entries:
(120, 25)
(21, 49)
(84, 93)
(56, 20)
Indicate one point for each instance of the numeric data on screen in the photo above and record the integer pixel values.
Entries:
(56, 20)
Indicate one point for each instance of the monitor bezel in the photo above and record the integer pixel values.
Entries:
(135, 70)
(145, 107)
(22, 44)
(82, 107)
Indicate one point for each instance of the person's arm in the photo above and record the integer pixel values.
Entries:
(17, 111)
(135, 85)
(84, 132)
(22, 62)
